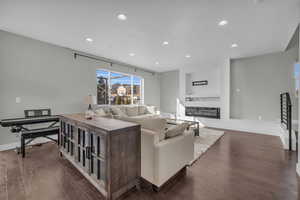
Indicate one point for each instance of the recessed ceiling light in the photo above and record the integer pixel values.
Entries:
(89, 40)
(234, 45)
(157, 63)
(223, 23)
(187, 55)
(165, 43)
(132, 54)
(122, 17)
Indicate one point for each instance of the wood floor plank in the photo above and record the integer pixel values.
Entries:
(240, 166)
(3, 177)
(15, 184)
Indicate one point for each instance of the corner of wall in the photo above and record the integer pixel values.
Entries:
(225, 89)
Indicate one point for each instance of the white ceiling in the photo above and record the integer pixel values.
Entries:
(190, 27)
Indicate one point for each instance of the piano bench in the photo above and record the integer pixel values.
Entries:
(32, 134)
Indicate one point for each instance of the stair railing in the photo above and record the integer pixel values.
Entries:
(286, 114)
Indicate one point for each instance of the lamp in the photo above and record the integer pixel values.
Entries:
(89, 100)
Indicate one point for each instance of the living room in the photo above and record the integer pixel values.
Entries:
(197, 101)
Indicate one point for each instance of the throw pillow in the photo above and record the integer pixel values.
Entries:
(132, 111)
(118, 111)
(155, 124)
(100, 112)
(106, 109)
(151, 110)
(176, 130)
(142, 110)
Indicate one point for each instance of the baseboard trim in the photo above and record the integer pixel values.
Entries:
(10, 146)
(5, 147)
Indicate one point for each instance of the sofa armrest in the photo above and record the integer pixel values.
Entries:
(148, 140)
(171, 155)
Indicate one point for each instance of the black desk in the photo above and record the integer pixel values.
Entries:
(17, 126)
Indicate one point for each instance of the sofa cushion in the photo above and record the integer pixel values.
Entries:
(157, 125)
(123, 109)
(118, 111)
(100, 112)
(174, 131)
(132, 110)
(153, 124)
(143, 110)
(107, 109)
(151, 109)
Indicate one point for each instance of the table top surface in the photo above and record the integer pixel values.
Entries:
(29, 120)
(104, 123)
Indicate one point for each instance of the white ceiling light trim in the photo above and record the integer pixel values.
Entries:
(89, 40)
(223, 23)
(187, 55)
(157, 63)
(131, 54)
(234, 45)
(165, 43)
(122, 17)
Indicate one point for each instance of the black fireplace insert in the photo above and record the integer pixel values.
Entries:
(208, 112)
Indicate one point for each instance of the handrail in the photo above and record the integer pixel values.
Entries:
(286, 114)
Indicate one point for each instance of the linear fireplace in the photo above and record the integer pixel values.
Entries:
(208, 112)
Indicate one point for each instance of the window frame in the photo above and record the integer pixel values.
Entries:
(131, 82)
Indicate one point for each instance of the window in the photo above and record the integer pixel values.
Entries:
(117, 88)
(102, 87)
(137, 90)
(120, 92)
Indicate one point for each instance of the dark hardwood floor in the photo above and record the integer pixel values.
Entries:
(240, 166)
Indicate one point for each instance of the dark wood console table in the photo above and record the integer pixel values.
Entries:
(106, 151)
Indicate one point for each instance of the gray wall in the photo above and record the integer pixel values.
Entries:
(298, 37)
(169, 91)
(260, 80)
(45, 75)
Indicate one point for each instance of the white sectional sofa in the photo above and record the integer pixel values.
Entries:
(165, 150)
